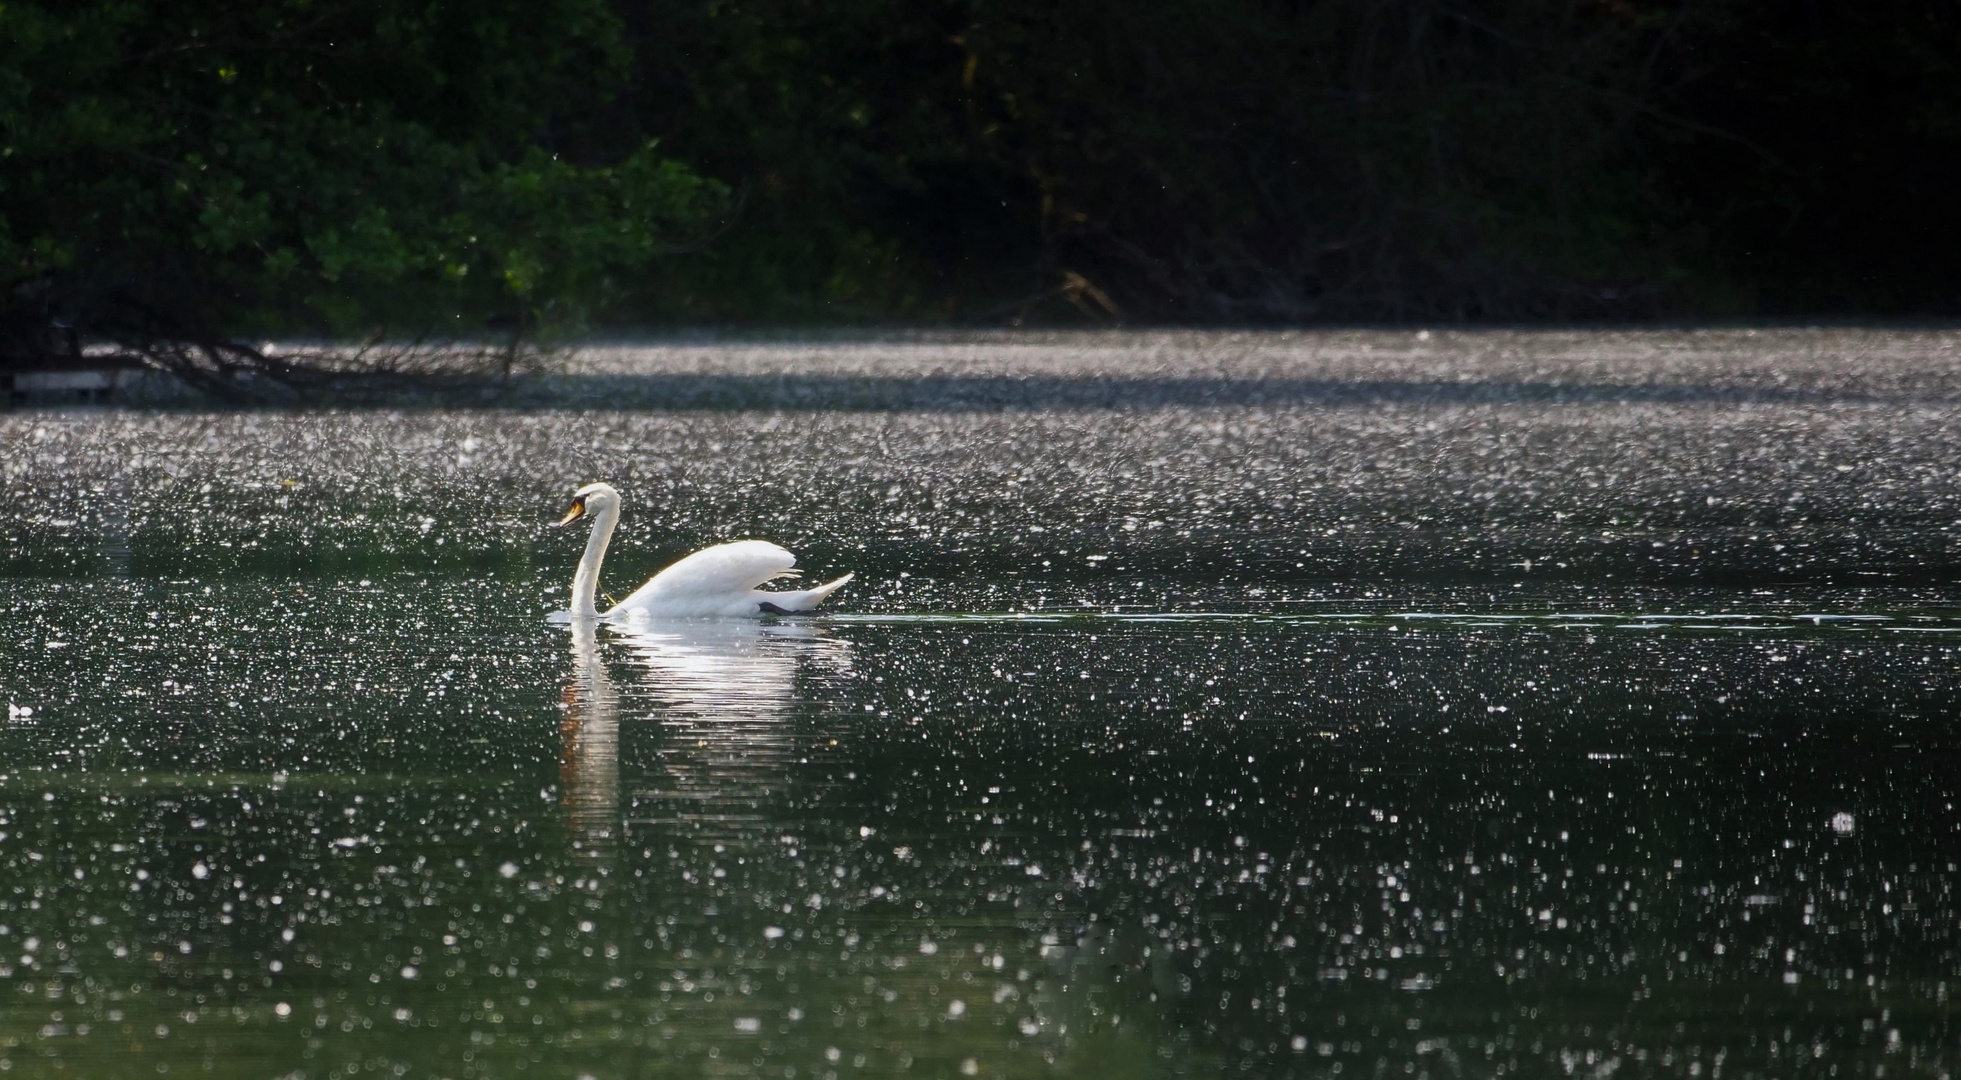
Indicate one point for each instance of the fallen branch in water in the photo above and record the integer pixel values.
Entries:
(121, 332)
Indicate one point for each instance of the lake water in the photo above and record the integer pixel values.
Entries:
(1316, 705)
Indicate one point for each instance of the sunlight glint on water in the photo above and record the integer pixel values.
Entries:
(295, 778)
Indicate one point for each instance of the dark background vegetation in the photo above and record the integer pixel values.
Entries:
(200, 170)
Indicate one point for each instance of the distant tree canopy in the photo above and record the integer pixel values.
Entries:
(1290, 160)
(197, 169)
(439, 167)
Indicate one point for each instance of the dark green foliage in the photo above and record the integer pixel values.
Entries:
(1242, 161)
(342, 166)
(1337, 159)
(835, 122)
(1270, 160)
(324, 165)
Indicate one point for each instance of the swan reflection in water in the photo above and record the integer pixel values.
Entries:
(722, 695)
(712, 841)
(589, 758)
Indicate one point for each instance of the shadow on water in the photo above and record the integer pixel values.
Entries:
(842, 392)
(958, 393)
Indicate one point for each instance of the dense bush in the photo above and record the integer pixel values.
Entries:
(338, 166)
(321, 166)
(1284, 160)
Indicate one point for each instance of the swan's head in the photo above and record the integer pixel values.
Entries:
(590, 499)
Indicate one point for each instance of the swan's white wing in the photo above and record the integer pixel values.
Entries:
(712, 578)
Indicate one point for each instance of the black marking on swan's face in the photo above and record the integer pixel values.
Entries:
(575, 512)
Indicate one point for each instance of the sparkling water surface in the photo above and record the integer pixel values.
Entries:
(1204, 706)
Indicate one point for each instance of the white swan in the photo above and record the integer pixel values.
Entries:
(715, 581)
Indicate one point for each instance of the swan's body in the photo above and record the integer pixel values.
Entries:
(717, 581)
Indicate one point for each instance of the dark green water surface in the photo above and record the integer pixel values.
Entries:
(1390, 740)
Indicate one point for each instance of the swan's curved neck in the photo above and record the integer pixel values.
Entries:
(585, 583)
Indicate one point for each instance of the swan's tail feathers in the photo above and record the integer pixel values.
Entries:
(792, 603)
(818, 594)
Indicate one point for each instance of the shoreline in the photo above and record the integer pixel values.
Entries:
(941, 370)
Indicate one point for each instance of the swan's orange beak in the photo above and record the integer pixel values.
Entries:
(577, 511)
